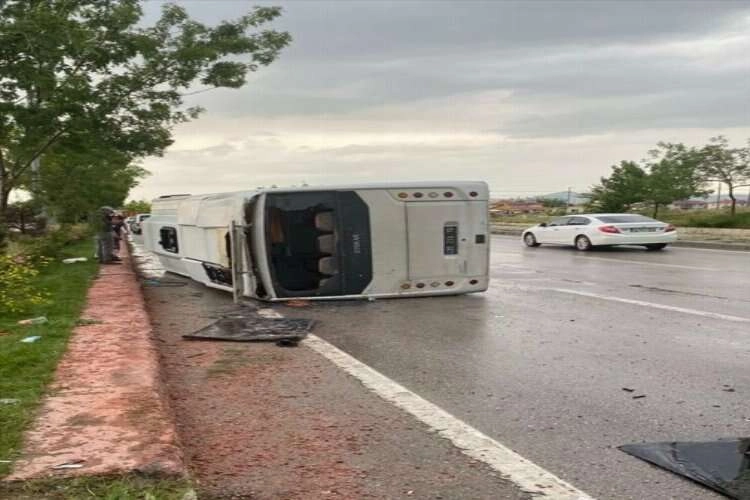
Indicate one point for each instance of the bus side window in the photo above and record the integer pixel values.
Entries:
(168, 239)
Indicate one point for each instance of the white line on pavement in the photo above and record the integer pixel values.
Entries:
(525, 474)
(695, 312)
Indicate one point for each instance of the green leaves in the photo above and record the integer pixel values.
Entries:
(671, 173)
(81, 75)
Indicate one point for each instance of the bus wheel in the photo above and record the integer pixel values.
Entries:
(656, 246)
(530, 240)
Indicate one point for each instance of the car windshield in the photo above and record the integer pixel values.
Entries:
(625, 218)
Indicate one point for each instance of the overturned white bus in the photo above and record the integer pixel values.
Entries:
(340, 242)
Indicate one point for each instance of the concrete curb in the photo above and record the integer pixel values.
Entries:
(106, 409)
(715, 245)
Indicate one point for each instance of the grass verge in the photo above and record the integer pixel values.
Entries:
(125, 487)
(26, 369)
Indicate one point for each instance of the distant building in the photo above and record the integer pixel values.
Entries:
(689, 205)
(708, 204)
(515, 207)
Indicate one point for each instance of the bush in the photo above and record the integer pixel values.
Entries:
(52, 244)
(720, 220)
(17, 292)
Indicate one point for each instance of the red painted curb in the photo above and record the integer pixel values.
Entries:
(106, 407)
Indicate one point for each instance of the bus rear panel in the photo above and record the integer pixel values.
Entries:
(377, 242)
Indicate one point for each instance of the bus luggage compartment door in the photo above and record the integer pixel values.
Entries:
(447, 238)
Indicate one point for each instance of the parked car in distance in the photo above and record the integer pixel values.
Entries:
(586, 231)
(135, 226)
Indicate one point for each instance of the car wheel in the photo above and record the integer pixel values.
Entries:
(583, 243)
(656, 247)
(530, 240)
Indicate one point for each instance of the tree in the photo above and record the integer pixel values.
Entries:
(85, 72)
(76, 184)
(673, 175)
(138, 207)
(624, 187)
(22, 215)
(730, 166)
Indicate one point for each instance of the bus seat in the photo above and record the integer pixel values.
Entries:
(328, 265)
(324, 221)
(327, 244)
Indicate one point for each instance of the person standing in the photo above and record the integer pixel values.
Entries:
(105, 237)
(119, 230)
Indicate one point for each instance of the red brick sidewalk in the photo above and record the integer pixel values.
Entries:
(105, 405)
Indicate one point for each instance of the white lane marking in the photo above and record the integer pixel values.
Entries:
(647, 263)
(525, 474)
(695, 312)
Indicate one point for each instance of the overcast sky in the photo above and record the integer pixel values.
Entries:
(533, 97)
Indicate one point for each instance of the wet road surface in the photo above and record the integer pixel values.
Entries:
(540, 361)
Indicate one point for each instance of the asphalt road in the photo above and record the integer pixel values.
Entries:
(539, 362)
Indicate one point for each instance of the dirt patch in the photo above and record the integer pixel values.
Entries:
(258, 421)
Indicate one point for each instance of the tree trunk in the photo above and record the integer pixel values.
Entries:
(734, 200)
(656, 209)
(4, 197)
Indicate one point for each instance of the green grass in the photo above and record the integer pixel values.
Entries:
(712, 218)
(26, 369)
(127, 487)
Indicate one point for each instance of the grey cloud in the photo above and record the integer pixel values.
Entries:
(627, 73)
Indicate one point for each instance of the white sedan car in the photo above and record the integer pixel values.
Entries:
(593, 230)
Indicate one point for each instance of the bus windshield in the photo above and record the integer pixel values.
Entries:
(318, 243)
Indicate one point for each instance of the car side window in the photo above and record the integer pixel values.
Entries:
(561, 221)
(578, 221)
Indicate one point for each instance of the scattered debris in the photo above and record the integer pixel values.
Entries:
(88, 321)
(723, 466)
(196, 355)
(269, 313)
(73, 260)
(241, 328)
(288, 343)
(8, 401)
(157, 282)
(33, 321)
(639, 396)
(297, 303)
(29, 340)
(728, 389)
(628, 389)
(73, 464)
